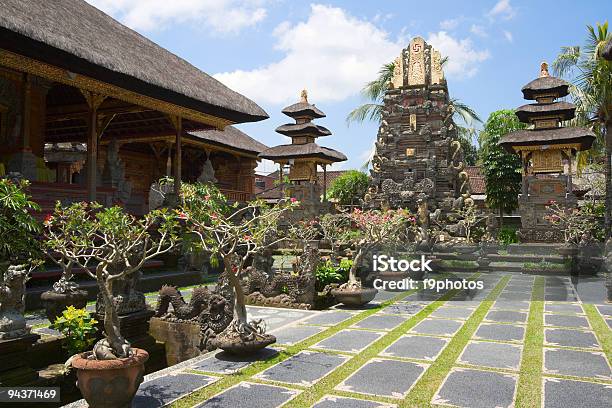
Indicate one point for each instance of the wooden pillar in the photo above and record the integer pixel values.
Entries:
(178, 125)
(27, 112)
(324, 182)
(94, 101)
(169, 161)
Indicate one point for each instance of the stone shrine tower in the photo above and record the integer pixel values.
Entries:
(417, 154)
(547, 150)
(303, 155)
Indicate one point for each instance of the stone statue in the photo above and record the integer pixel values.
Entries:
(125, 296)
(12, 305)
(208, 172)
(114, 172)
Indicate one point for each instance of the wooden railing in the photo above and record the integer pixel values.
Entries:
(235, 195)
(47, 194)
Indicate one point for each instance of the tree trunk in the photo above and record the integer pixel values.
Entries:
(111, 321)
(240, 312)
(356, 262)
(501, 218)
(608, 173)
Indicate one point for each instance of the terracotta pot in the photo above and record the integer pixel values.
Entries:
(243, 348)
(55, 303)
(110, 383)
(354, 297)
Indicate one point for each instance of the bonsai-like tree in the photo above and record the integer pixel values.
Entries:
(234, 234)
(333, 228)
(574, 223)
(119, 244)
(374, 228)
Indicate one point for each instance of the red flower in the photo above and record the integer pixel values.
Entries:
(182, 216)
(293, 200)
(234, 268)
(48, 219)
(247, 237)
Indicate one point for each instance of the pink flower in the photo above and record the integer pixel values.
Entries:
(182, 216)
(293, 200)
(207, 197)
(247, 237)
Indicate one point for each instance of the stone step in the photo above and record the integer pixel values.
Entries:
(556, 259)
(533, 248)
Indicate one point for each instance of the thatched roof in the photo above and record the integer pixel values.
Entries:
(293, 151)
(303, 129)
(546, 84)
(606, 52)
(528, 137)
(534, 110)
(73, 35)
(230, 137)
(303, 109)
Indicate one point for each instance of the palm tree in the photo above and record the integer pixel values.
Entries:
(591, 90)
(375, 90)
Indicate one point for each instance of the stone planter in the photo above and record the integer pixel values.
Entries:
(55, 303)
(110, 383)
(234, 345)
(354, 297)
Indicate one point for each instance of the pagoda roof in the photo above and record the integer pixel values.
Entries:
(303, 109)
(230, 137)
(533, 110)
(76, 36)
(545, 85)
(303, 129)
(307, 150)
(562, 135)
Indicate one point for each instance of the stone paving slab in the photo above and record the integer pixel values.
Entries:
(460, 313)
(277, 317)
(403, 308)
(439, 327)
(224, 363)
(496, 355)
(558, 320)
(511, 305)
(570, 338)
(477, 389)
(351, 341)
(163, 390)
(290, 335)
(332, 401)
(244, 394)
(500, 332)
(328, 318)
(381, 322)
(305, 368)
(576, 363)
(417, 347)
(560, 393)
(506, 316)
(514, 296)
(563, 308)
(605, 310)
(390, 378)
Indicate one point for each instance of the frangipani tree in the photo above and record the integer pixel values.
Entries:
(375, 228)
(116, 245)
(234, 234)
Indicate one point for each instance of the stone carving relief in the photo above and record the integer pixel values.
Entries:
(397, 80)
(416, 71)
(208, 172)
(437, 75)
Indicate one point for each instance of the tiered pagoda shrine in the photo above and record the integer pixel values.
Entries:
(417, 154)
(303, 155)
(547, 150)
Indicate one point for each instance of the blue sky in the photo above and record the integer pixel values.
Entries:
(271, 49)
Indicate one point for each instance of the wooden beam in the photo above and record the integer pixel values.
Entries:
(324, 182)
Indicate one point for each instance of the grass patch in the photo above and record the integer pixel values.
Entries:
(529, 392)
(456, 263)
(425, 389)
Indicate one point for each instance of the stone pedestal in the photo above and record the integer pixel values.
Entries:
(24, 162)
(14, 370)
(182, 340)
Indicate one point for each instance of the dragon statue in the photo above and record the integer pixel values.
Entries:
(210, 310)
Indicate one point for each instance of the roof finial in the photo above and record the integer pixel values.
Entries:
(544, 69)
(304, 96)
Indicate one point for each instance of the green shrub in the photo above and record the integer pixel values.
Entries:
(507, 236)
(78, 328)
(328, 273)
(349, 188)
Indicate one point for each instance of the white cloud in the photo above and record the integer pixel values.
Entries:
(463, 58)
(508, 36)
(222, 16)
(502, 9)
(332, 54)
(449, 24)
(478, 30)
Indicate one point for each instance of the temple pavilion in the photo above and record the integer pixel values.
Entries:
(303, 156)
(547, 151)
(92, 110)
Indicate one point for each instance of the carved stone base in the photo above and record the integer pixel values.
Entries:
(182, 340)
(24, 163)
(14, 370)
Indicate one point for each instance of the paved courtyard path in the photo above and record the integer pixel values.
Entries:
(522, 341)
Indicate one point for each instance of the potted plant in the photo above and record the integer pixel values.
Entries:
(233, 234)
(19, 249)
(374, 228)
(78, 328)
(119, 244)
(65, 292)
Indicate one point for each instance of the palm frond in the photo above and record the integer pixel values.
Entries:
(368, 111)
(566, 60)
(467, 114)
